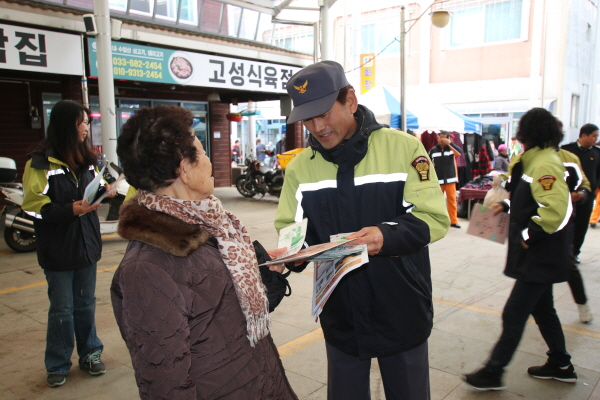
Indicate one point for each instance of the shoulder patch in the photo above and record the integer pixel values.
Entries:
(547, 181)
(421, 165)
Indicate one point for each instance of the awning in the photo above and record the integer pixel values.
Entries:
(422, 113)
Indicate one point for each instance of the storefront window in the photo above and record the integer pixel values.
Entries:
(126, 108)
(48, 101)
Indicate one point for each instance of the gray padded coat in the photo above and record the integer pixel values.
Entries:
(178, 312)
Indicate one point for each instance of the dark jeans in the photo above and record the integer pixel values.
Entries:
(583, 211)
(404, 375)
(70, 316)
(527, 299)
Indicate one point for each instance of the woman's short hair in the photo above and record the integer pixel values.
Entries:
(152, 144)
(62, 135)
(538, 128)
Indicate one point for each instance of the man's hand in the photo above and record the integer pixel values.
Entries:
(80, 208)
(577, 196)
(371, 236)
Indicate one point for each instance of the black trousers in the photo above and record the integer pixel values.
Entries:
(526, 299)
(576, 285)
(583, 212)
(405, 375)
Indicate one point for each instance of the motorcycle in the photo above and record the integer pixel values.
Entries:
(259, 178)
(19, 232)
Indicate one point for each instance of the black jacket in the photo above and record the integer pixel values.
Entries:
(540, 211)
(590, 162)
(65, 242)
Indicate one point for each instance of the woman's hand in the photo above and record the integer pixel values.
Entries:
(110, 194)
(274, 254)
(79, 208)
(497, 208)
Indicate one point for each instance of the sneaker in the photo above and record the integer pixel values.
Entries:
(592, 225)
(56, 380)
(585, 313)
(550, 371)
(577, 260)
(455, 226)
(485, 379)
(93, 364)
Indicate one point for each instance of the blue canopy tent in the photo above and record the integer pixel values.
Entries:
(422, 113)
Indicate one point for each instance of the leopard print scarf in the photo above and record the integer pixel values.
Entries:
(235, 248)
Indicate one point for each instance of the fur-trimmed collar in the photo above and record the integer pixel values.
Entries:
(160, 230)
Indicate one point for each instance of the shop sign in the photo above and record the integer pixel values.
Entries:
(153, 64)
(27, 49)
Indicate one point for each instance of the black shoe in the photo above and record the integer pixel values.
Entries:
(485, 379)
(93, 364)
(551, 371)
(592, 225)
(577, 260)
(455, 226)
(56, 380)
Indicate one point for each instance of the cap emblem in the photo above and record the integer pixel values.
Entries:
(301, 89)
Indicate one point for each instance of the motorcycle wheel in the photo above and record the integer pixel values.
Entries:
(20, 241)
(241, 185)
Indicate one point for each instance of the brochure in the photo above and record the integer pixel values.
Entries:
(487, 226)
(113, 189)
(91, 190)
(329, 273)
(293, 236)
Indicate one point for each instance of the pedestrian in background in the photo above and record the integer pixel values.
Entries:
(188, 296)
(260, 150)
(443, 155)
(358, 176)
(501, 160)
(236, 152)
(589, 155)
(539, 252)
(67, 230)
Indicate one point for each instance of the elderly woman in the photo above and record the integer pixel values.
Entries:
(187, 296)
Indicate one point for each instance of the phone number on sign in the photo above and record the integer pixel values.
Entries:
(140, 73)
(136, 63)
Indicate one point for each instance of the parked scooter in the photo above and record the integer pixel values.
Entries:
(259, 178)
(19, 232)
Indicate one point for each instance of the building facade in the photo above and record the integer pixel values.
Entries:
(202, 55)
(495, 60)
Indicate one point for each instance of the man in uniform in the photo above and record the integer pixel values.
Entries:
(589, 154)
(359, 176)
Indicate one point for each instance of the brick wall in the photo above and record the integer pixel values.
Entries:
(220, 147)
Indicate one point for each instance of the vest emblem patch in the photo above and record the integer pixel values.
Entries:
(421, 165)
(547, 181)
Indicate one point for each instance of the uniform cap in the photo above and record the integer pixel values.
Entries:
(314, 89)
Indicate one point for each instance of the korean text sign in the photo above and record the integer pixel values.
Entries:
(152, 64)
(37, 50)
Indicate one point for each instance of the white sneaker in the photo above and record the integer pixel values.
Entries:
(585, 313)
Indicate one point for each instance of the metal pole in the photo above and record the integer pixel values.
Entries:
(402, 72)
(106, 88)
(326, 38)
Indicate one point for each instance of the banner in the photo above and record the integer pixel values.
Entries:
(26, 49)
(153, 64)
(367, 72)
